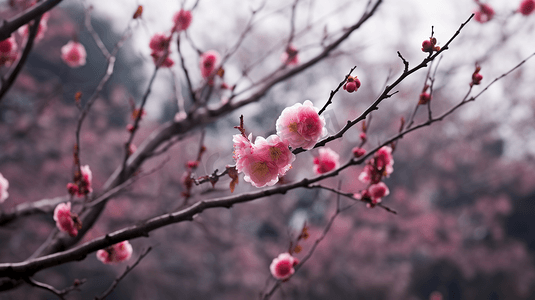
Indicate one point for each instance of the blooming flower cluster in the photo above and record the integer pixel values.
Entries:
(282, 267)
(66, 221)
(84, 186)
(4, 184)
(381, 165)
(265, 160)
(326, 161)
(116, 253)
(73, 54)
(8, 51)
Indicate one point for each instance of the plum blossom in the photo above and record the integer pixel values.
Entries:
(484, 14)
(527, 7)
(73, 54)
(116, 253)
(8, 51)
(182, 20)
(381, 165)
(24, 31)
(66, 221)
(264, 161)
(290, 57)
(378, 191)
(4, 185)
(326, 161)
(352, 84)
(282, 267)
(85, 185)
(358, 152)
(209, 62)
(301, 125)
(159, 44)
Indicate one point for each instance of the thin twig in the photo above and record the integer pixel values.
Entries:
(329, 101)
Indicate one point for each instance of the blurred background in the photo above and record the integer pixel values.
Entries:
(463, 188)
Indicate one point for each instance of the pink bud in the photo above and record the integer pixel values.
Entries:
(427, 46)
(116, 253)
(476, 78)
(484, 14)
(363, 136)
(358, 152)
(64, 219)
(350, 87)
(424, 98)
(209, 62)
(527, 7)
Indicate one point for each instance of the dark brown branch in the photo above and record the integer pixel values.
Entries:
(8, 27)
(45, 206)
(47, 287)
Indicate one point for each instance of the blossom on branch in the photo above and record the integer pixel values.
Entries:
(4, 184)
(264, 161)
(66, 221)
(8, 51)
(282, 267)
(381, 165)
(116, 253)
(209, 62)
(352, 84)
(159, 44)
(326, 161)
(84, 185)
(73, 54)
(182, 20)
(301, 125)
(378, 191)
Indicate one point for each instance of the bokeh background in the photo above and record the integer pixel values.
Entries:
(463, 188)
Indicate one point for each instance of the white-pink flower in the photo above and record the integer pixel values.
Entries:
(378, 191)
(326, 161)
(4, 184)
(182, 20)
(159, 42)
(282, 267)
(73, 54)
(24, 31)
(264, 161)
(301, 125)
(65, 220)
(116, 253)
(384, 160)
(8, 51)
(209, 62)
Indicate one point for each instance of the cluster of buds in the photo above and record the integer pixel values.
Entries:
(352, 84)
(381, 165)
(373, 194)
(430, 45)
(82, 182)
(425, 97)
(116, 253)
(476, 77)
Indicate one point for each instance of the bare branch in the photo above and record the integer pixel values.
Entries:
(8, 27)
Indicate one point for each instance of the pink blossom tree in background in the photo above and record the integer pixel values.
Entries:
(121, 154)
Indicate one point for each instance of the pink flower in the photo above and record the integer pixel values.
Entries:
(116, 253)
(159, 44)
(484, 14)
(381, 165)
(24, 31)
(8, 51)
(242, 148)
(4, 184)
(378, 191)
(527, 7)
(358, 152)
(73, 54)
(65, 220)
(182, 20)
(265, 161)
(87, 178)
(326, 161)
(282, 267)
(290, 57)
(209, 62)
(301, 125)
